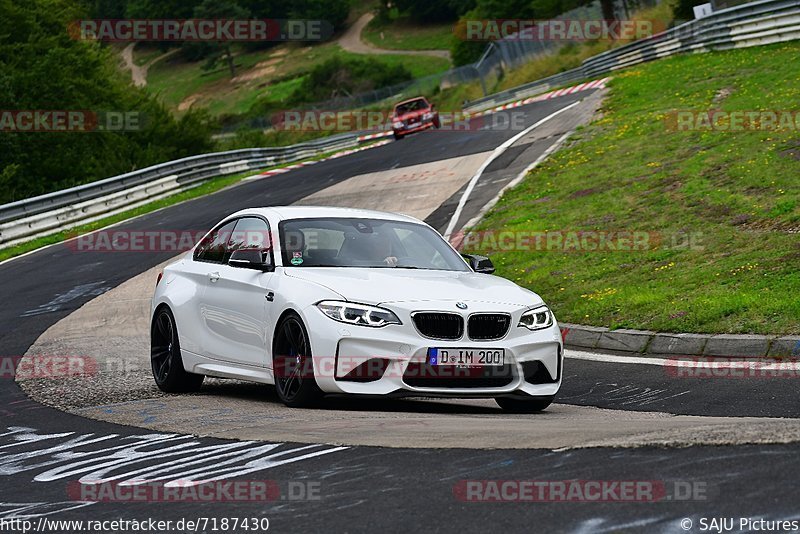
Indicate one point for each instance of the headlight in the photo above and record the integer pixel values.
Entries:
(397, 124)
(427, 116)
(537, 318)
(360, 314)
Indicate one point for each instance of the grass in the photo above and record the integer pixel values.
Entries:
(735, 194)
(400, 34)
(269, 75)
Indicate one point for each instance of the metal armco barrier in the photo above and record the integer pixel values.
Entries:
(50, 213)
(752, 24)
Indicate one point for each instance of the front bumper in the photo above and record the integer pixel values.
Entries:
(395, 359)
(413, 128)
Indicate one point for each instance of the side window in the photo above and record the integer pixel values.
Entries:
(251, 233)
(215, 246)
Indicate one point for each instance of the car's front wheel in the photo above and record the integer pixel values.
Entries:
(293, 366)
(523, 405)
(165, 356)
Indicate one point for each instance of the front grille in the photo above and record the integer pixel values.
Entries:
(424, 375)
(488, 326)
(439, 325)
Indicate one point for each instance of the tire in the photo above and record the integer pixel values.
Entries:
(523, 405)
(165, 356)
(397, 136)
(293, 366)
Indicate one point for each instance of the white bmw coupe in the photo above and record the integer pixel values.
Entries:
(340, 301)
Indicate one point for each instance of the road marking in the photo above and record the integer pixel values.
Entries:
(93, 289)
(170, 458)
(703, 361)
(29, 510)
(513, 183)
(495, 154)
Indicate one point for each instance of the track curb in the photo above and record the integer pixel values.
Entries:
(679, 344)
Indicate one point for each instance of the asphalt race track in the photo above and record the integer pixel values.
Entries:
(393, 487)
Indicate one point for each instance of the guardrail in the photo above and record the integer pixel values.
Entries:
(45, 214)
(752, 24)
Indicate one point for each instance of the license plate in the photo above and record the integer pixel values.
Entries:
(467, 357)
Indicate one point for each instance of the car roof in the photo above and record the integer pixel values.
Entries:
(311, 212)
(411, 100)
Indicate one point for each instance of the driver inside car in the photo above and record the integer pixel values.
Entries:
(373, 248)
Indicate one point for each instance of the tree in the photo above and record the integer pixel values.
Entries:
(335, 12)
(432, 11)
(43, 68)
(214, 52)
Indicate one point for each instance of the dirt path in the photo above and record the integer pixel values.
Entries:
(139, 73)
(351, 41)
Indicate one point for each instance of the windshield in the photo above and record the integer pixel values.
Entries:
(346, 242)
(408, 107)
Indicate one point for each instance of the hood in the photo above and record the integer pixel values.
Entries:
(376, 286)
(412, 114)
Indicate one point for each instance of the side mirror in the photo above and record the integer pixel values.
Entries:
(479, 264)
(250, 258)
(433, 106)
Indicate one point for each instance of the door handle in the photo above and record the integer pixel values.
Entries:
(213, 276)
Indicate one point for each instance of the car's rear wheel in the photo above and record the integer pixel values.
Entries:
(165, 356)
(397, 136)
(293, 366)
(523, 405)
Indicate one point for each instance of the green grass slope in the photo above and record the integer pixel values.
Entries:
(734, 194)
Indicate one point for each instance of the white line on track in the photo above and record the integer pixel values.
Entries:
(513, 183)
(710, 362)
(495, 154)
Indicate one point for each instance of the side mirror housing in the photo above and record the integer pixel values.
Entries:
(479, 264)
(250, 258)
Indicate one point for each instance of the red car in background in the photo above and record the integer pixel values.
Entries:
(413, 115)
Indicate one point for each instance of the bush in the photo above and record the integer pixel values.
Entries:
(338, 77)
